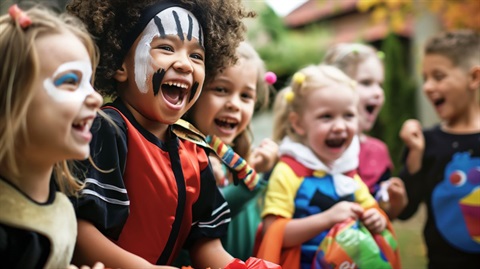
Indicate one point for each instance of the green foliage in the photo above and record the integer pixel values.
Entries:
(283, 50)
(399, 89)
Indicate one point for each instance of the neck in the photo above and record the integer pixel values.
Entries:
(467, 123)
(33, 180)
(158, 129)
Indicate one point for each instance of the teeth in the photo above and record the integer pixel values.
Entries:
(177, 84)
(230, 121)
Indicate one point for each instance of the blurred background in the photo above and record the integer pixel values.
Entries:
(290, 34)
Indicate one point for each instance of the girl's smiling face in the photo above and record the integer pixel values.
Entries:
(369, 78)
(226, 105)
(65, 104)
(328, 121)
(163, 72)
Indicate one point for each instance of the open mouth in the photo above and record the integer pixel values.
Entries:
(80, 125)
(370, 108)
(226, 123)
(438, 102)
(335, 142)
(174, 92)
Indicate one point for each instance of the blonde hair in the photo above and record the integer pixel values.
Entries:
(293, 97)
(348, 56)
(19, 58)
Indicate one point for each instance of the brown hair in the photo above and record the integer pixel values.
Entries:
(111, 20)
(462, 47)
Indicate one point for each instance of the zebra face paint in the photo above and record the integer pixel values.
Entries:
(70, 82)
(171, 21)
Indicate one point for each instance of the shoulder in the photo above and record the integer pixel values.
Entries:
(372, 142)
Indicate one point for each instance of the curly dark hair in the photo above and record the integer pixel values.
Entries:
(109, 21)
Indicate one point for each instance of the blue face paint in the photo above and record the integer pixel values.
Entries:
(69, 78)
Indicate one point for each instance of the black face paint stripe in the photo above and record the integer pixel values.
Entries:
(158, 22)
(200, 35)
(190, 28)
(179, 25)
(157, 80)
(193, 91)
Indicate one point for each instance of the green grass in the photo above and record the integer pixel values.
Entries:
(410, 240)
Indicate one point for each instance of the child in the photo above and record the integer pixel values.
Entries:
(442, 164)
(311, 184)
(47, 106)
(160, 195)
(225, 109)
(363, 64)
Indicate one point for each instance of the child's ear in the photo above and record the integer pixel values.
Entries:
(295, 121)
(474, 82)
(121, 73)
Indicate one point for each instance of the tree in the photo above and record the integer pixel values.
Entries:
(454, 13)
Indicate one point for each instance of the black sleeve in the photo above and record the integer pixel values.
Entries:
(22, 249)
(104, 200)
(415, 188)
(211, 213)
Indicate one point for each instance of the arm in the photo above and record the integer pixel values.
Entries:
(209, 252)
(93, 246)
(412, 136)
(398, 199)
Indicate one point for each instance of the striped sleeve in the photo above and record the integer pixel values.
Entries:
(104, 201)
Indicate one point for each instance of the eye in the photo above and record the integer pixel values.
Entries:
(366, 82)
(247, 96)
(67, 79)
(165, 47)
(220, 90)
(349, 115)
(438, 76)
(325, 116)
(197, 56)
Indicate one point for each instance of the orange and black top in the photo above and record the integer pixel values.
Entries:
(160, 196)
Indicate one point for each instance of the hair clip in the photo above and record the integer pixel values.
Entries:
(270, 78)
(381, 55)
(20, 16)
(289, 96)
(298, 78)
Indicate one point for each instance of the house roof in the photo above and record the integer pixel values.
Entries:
(346, 23)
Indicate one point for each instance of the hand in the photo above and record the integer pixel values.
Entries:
(264, 157)
(412, 136)
(218, 172)
(398, 197)
(97, 265)
(342, 211)
(374, 220)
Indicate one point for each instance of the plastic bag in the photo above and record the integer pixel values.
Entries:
(350, 245)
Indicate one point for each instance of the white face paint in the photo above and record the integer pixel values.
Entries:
(166, 25)
(70, 75)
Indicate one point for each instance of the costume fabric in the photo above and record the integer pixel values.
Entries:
(159, 196)
(301, 185)
(449, 184)
(34, 235)
(375, 164)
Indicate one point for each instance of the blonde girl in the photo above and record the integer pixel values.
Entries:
(47, 107)
(313, 186)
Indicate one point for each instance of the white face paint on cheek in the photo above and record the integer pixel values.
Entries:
(143, 59)
(84, 87)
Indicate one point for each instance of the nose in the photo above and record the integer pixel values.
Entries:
(428, 85)
(377, 91)
(233, 103)
(94, 100)
(183, 63)
(338, 125)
